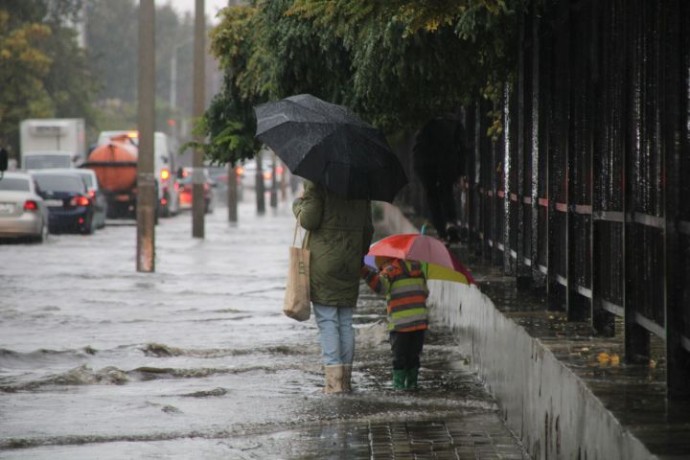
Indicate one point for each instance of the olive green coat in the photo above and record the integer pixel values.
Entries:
(340, 233)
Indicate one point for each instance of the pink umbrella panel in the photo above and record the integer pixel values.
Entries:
(432, 271)
(423, 248)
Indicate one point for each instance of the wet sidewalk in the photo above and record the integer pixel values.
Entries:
(451, 416)
(595, 402)
(473, 436)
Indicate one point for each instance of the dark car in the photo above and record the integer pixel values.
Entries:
(96, 194)
(66, 195)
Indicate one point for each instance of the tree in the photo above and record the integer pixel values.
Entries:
(43, 72)
(396, 63)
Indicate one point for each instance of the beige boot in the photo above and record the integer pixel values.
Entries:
(334, 379)
(347, 377)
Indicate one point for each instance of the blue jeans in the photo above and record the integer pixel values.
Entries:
(336, 334)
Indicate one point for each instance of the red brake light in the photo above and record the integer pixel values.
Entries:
(30, 205)
(80, 200)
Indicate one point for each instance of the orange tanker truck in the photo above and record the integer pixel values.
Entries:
(114, 161)
(115, 165)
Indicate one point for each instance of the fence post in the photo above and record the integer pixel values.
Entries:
(676, 144)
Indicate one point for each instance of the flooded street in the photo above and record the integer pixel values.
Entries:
(195, 360)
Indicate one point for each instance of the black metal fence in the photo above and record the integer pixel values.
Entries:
(586, 194)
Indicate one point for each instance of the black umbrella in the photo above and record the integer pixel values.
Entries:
(328, 144)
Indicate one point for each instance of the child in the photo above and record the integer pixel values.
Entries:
(404, 285)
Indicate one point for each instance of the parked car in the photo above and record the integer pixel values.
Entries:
(67, 198)
(23, 213)
(248, 173)
(219, 179)
(219, 176)
(184, 178)
(96, 194)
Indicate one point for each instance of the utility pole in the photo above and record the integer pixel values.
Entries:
(146, 181)
(259, 184)
(198, 208)
(232, 193)
(274, 182)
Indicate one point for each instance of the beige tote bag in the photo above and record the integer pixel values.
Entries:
(297, 303)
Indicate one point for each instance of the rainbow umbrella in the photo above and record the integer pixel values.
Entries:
(441, 263)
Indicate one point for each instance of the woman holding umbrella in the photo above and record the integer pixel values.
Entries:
(346, 163)
(341, 232)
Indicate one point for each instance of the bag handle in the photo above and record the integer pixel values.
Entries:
(305, 239)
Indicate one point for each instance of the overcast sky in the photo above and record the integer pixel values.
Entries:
(211, 7)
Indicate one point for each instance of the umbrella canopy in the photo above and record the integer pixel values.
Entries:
(442, 264)
(328, 144)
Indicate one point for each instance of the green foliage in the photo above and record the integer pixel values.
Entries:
(229, 121)
(44, 72)
(396, 63)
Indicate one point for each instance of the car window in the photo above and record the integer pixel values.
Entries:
(46, 161)
(16, 184)
(57, 183)
(88, 178)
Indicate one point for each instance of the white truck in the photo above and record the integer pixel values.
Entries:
(52, 143)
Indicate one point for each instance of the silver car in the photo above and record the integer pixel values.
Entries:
(23, 213)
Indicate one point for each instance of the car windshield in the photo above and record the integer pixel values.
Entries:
(88, 178)
(16, 184)
(46, 161)
(57, 183)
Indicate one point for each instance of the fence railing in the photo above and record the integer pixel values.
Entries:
(587, 192)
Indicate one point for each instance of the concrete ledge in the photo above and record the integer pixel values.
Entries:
(393, 220)
(549, 407)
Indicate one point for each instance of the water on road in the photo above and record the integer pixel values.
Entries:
(195, 360)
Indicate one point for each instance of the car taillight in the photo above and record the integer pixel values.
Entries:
(165, 174)
(30, 205)
(80, 200)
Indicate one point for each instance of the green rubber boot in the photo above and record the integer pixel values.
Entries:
(411, 378)
(399, 378)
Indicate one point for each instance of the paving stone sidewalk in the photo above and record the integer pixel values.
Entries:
(452, 416)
